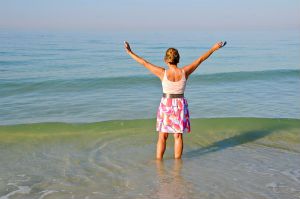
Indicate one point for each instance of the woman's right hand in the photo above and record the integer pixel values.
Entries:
(217, 46)
(127, 47)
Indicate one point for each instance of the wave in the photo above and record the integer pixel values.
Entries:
(32, 84)
(250, 75)
(280, 133)
(15, 62)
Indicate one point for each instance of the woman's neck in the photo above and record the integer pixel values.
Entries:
(172, 66)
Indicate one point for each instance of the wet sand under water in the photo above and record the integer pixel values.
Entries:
(222, 158)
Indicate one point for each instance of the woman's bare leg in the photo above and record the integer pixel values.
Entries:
(178, 145)
(161, 145)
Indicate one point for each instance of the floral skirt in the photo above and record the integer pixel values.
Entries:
(173, 116)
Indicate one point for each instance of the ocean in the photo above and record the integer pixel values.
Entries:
(81, 77)
(77, 116)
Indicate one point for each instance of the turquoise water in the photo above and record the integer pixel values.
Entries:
(228, 158)
(88, 77)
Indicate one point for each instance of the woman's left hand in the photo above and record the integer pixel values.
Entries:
(127, 47)
(217, 46)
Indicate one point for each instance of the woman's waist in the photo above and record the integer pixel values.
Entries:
(173, 95)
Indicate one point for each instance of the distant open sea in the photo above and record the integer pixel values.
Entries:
(88, 77)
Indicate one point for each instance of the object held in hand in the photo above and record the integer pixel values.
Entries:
(127, 45)
(224, 43)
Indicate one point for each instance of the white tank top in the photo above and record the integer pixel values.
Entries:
(170, 87)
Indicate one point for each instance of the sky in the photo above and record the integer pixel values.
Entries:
(127, 15)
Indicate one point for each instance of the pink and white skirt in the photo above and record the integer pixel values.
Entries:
(173, 116)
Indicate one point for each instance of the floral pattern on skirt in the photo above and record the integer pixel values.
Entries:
(173, 116)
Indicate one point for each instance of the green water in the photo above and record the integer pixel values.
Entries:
(222, 158)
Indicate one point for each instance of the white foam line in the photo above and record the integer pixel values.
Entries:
(92, 155)
(47, 192)
(22, 189)
(293, 174)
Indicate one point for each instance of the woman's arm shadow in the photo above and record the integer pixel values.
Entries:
(233, 141)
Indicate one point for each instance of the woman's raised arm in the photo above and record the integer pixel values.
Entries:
(189, 69)
(156, 70)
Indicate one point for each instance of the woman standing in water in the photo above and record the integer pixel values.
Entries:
(172, 114)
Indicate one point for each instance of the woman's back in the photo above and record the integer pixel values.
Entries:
(174, 84)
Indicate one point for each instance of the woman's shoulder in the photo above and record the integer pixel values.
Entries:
(184, 72)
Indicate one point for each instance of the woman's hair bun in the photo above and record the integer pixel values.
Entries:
(172, 56)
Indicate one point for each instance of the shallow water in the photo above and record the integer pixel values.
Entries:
(223, 158)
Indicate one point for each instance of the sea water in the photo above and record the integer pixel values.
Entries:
(228, 158)
(59, 89)
(88, 77)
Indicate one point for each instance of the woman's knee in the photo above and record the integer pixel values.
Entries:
(177, 136)
(163, 136)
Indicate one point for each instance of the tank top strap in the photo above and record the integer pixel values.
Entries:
(183, 73)
(165, 74)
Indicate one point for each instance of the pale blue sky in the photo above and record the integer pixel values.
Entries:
(149, 14)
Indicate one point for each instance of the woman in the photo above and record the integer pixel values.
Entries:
(172, 113)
